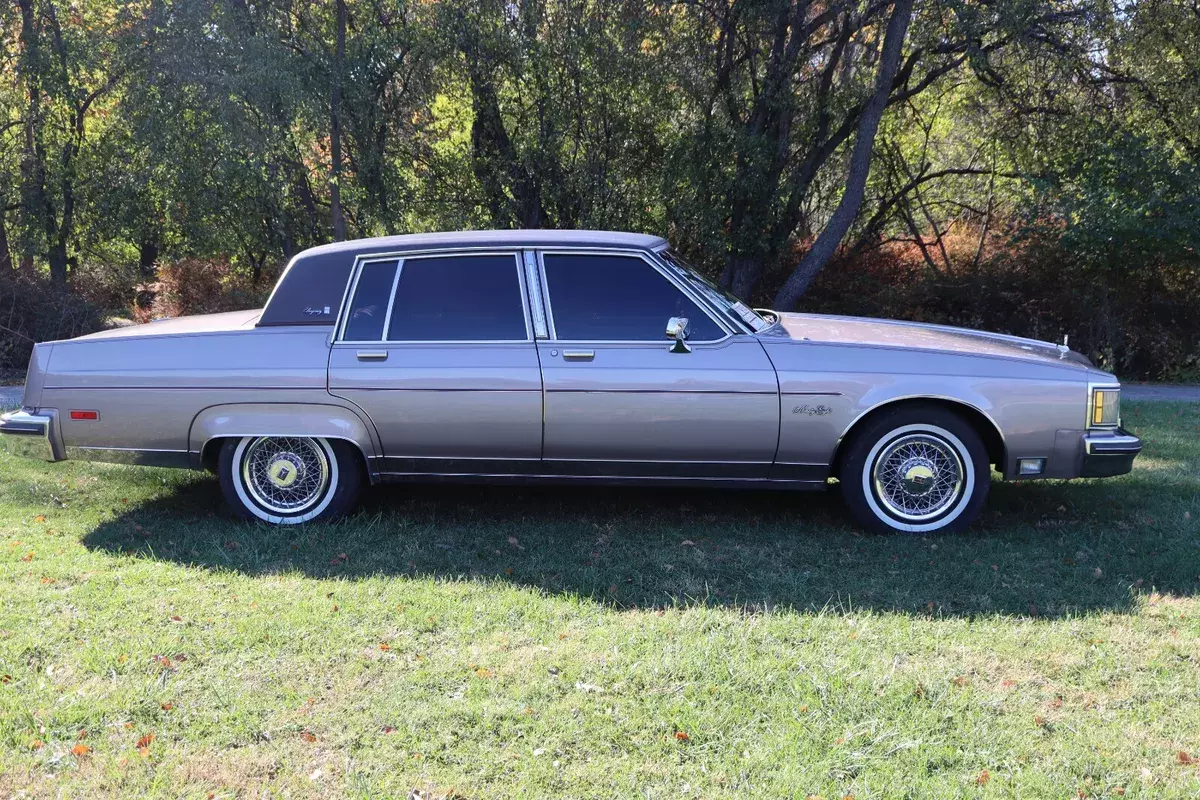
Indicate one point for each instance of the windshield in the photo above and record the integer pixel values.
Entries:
(734, 309)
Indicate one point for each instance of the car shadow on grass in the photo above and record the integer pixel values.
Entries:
(1040, 550)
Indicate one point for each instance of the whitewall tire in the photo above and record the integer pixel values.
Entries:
(289, 480)
(915, 469)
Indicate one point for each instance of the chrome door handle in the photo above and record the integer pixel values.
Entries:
(578, 355)
(372, 355)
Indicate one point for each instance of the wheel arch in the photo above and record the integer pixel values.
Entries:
(981, 422)
(217, 424)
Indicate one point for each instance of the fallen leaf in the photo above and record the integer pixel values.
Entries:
(384, 646)
(681, 736)
(483, 672)
(40, 518)
(27, 557)
(80, 750)
(308, 736)
(1184, 757)
(983, 777)
(178, 620)
(36, 744)
(6, 679)
(167, 706)
(145, 740)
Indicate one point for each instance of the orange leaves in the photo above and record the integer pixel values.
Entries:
(681, 736)
(27, 557)
(484, 673)
(145, 741)
(40, 518)
(167, 706)
(176, 619)
(308, 736)
(1185, 758)
(384, 646)
(80, 750)
(983, 777)
(6, 679)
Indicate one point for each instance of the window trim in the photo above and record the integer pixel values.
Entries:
(406, 255)
(644, 256)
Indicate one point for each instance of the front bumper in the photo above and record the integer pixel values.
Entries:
(29, 435)
(1109, 453)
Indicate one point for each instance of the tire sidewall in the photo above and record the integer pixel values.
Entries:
(339, 495)
(858, 474)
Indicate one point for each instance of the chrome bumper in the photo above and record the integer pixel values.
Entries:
(28, 435)
(1109, 453)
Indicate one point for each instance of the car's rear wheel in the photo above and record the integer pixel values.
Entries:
(287, 480)
(916, 469)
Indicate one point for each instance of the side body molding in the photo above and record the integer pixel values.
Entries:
(283, 419)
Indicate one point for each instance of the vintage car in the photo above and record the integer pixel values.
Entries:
(565, 356)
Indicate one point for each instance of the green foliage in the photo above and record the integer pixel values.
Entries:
(142, 133)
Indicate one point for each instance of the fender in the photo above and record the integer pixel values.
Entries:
(282, 419)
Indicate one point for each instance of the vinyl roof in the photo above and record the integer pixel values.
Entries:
(517, 238)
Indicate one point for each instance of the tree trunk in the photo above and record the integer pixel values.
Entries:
(6, 262)
(58, 265)
(860, 163)
(147, 256)
(335, 129)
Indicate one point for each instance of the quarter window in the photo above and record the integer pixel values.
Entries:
(458, 298)
(369, 307)
(618, 298)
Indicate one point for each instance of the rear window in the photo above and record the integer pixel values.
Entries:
(310, 291)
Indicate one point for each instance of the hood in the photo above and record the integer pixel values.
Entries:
(921, 336)
(201, 323)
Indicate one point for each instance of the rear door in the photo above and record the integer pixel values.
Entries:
(621, 401)
(437, 348)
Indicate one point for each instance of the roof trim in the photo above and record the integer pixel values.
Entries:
(493, 238)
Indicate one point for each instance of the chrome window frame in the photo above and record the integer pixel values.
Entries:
(533, 280)
(348, 304)
(645, 256)
(407, 255)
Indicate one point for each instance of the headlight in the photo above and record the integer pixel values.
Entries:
(1104, 407)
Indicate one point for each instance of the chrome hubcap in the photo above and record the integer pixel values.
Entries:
(285, 475)
(918, 476)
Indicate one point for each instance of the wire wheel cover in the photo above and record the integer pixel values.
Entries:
(918, 476)
(285, 475)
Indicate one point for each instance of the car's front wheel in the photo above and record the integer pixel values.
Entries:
(287, 480)
(915, 469)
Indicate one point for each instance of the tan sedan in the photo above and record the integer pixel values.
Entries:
(565, 356)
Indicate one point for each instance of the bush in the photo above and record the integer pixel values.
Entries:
(31, 310)
(1139, 320)
(203, 286)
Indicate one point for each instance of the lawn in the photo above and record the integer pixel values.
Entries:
(489, 642)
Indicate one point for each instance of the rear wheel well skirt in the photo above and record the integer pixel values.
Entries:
(984, 425)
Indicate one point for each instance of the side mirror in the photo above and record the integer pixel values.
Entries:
(677, 329)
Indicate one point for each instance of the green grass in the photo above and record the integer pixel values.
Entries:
(491, 642)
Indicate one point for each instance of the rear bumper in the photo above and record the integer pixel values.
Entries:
(29, 435)
(1109, 453)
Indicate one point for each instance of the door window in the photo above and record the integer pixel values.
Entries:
(618, 298)
(458, 298)
(368, 309)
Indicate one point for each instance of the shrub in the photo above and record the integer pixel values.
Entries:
(203, 286)
(31, 310)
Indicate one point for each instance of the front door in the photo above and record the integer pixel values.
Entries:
(620, 401)
(437, 349)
